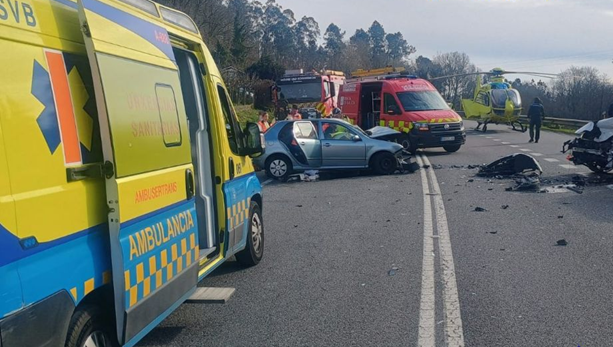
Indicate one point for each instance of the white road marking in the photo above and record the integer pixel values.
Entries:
(525, 149)
(427, 327)
(514, 146)
(569, 166)
(610, 186)
(498, 140)
(536, 154)
(506, 143)
(552, 160)
(489, 137)
(268, 181)
(454, 335)
(480, 135)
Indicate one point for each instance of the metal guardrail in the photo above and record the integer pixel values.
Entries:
(558, 122)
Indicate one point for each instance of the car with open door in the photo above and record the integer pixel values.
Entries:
(326, 144)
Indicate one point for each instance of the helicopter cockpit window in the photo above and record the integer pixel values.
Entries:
(500, 96)
(483, 99)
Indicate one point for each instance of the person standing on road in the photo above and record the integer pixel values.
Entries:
(263, 122)
(536, 114)
(294, 114)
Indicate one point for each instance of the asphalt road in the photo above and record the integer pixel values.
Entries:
(344, 259)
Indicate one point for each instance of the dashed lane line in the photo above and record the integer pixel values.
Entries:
(427, 327)
(514, 146)
(536, 154)
(569, 166)
(454, 334)
(489, 137)
(506, 143)
(551, 160)
(525, 149)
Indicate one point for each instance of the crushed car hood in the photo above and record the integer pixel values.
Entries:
(381, 132)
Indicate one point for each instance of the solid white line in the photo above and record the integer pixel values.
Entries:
(454, 335)
(427, 326)
(514, 146)
(552, 160)
(569, 166)
(268, 181)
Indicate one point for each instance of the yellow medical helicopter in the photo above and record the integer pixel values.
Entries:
(495, 101)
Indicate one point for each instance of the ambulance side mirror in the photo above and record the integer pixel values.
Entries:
(254, 140)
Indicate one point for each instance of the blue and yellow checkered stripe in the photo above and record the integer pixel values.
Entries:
(238, 213)
(81, 291)
(149, 275)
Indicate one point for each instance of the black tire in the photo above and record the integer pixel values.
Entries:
(452, 148)
(254, 251)
(384, 163)
(278, 167)
(90, 325)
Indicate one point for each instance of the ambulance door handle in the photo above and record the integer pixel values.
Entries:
(189, 183)
(231, 167)
(327, 144)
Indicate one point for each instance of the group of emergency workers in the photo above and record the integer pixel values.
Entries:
(294, 114)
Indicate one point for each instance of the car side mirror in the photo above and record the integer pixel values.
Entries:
(254, 140)
(356, 138)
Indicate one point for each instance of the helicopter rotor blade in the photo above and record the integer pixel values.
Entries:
(459, 75)
(539, 74)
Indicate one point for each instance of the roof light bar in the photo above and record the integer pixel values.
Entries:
(179, 19)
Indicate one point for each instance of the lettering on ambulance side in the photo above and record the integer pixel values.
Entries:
(153, 236)
(18, 12)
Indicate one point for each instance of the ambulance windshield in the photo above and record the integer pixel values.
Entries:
(301, 92)
(422, 101)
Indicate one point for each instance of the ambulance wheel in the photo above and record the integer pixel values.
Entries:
(253, 252)
(384, 163)
(278, 167)
(89, 327)
(452, 148)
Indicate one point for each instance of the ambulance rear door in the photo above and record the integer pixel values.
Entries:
(147, 162)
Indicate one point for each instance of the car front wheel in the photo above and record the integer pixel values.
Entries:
(384, 163)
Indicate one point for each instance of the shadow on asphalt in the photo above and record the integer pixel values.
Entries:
(228, 267)
(161, 336)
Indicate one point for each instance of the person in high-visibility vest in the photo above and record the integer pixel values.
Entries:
(263, 122)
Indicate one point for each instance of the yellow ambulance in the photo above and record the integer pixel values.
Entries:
(125, 177)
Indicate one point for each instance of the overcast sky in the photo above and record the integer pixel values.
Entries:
(526, 35)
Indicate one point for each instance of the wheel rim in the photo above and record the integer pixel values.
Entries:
(386, 164)
(256, 233)
(96, 339)
(278, 168)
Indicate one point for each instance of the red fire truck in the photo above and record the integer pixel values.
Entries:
(314, 93)
(413, 106)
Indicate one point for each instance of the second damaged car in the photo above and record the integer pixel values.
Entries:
(327, 144)
(593, 146)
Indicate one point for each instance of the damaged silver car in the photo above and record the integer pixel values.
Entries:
(328, 144)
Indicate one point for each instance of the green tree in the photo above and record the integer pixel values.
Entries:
(378, 48)
(334, 45)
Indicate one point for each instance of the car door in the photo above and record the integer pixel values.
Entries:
(306, 136)
(153, 230)
(341, 146)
